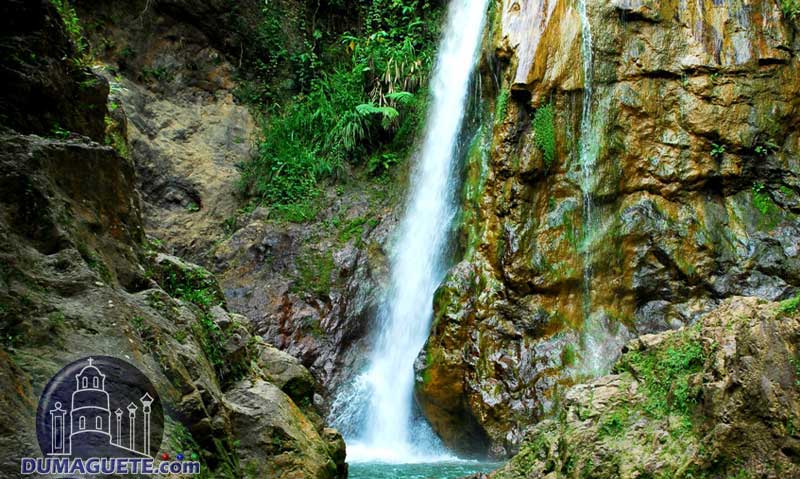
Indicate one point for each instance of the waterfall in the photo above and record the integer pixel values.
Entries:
(588, 141)
(601, 344)
(376, 411)
(588, 150)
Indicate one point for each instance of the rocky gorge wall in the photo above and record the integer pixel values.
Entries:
(179, 70)
(79, 276)
(693, 193)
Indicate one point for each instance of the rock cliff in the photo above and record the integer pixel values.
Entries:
(79, 277)
(638, 166)
(715, 399)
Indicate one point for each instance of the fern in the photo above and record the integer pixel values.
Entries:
(401, 97)
(544, 132)
(388, 113)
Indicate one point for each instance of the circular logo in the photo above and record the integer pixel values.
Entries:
(100, 406)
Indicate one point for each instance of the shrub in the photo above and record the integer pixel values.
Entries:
(790, 305)
(367, 105)
(73, 27)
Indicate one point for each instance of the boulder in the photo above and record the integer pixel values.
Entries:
(275, 438)
(715, 399)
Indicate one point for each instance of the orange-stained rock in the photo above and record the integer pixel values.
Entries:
(694, 197)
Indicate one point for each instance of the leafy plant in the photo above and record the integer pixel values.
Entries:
(717, 150)
(761, 199)
(381, 162)
(790, 305)
(73, 27)
(59, 132)
(791, 9)
(766, 148)
(544, 132)
(364, 109)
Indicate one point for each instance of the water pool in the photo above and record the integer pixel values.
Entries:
(432, 470)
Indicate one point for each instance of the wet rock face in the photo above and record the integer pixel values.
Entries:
(729, 409)
(308, 290)
(694, 197)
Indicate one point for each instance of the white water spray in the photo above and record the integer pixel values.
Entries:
(381, 399)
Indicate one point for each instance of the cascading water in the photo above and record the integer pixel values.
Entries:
(600, 343)
(588, 143)
(381, 400)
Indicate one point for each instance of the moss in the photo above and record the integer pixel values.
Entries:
(568, 356)
(790, 305)
(761, 199)
(501, 105)
(569, 228)
(477, 170)
(96, 263)
(614, 423)
(355, 229)
(665, 374)
(314, 270)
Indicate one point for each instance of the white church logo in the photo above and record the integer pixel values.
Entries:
(100, 407)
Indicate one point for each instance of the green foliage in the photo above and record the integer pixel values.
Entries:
(363, 108)
(717, 150)
(95, 263)
(568, 356)
(790, 305)
(114, 137)
(157, 74)
(761, 199)
(614, 424)
(57, 132)
(545, 134)
(765, 148)
(226, 457)
(791, 9)
(381, 163)
(73, 27)
(56, 321)
(665, 374)
(314, 271)
(197, 286)
(501, 105)
(355, 229)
